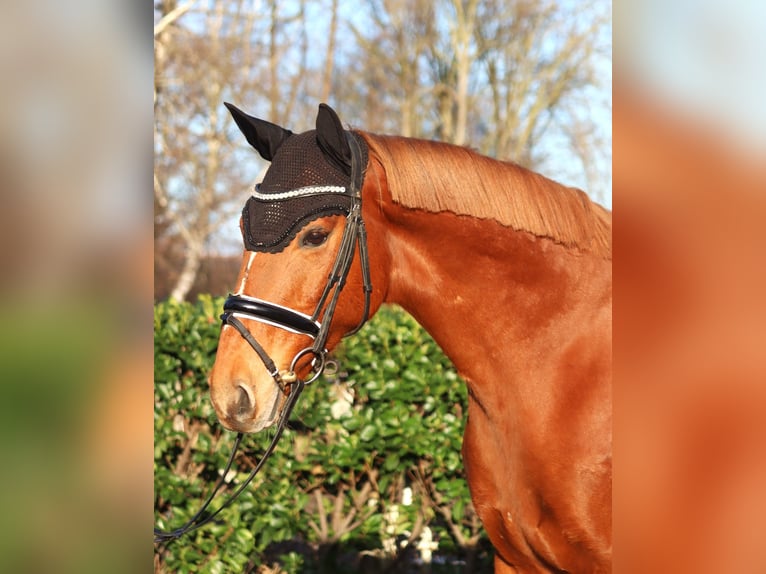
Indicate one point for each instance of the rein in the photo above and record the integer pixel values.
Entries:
(199, 520)
(238, 305)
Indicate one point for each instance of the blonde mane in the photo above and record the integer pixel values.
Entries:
(437, 177)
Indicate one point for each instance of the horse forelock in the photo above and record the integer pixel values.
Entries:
(437, 177)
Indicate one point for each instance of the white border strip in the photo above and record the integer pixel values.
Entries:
(272, 323)
(300, 192)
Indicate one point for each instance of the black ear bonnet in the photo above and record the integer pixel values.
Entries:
(310, 177)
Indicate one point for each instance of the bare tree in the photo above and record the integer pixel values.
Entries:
(535, 64)
(189, 155)
(508, 78)
(462, 33)
(389, 65)
(330, 53)
(204, 56)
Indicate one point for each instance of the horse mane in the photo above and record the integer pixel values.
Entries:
(436, 176)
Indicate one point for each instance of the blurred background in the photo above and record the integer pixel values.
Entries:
(689, 314)
(75, 286)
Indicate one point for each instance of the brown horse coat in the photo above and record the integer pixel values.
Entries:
(511, 274)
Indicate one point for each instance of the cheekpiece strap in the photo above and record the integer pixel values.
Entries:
(358, 164)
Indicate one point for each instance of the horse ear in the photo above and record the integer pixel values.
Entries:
(264, 136)
(331, 138)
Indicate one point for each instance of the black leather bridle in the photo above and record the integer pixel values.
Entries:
(354, 235)
(242, 306)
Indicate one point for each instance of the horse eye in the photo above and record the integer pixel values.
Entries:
(314, 238)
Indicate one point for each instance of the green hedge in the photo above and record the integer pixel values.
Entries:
(333, 497)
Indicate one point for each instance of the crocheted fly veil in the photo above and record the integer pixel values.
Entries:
(309, 177)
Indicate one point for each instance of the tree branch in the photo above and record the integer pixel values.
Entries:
(171, 17)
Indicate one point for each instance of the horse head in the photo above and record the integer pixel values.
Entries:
(305, 280)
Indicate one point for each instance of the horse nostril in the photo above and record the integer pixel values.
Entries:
(243, 405)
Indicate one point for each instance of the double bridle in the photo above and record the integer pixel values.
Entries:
(242, 306)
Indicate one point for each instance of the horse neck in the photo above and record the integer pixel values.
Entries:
(479, 287)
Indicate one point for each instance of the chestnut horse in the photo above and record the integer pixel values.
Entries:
(509, 271)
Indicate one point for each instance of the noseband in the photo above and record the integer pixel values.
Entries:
(242, 306)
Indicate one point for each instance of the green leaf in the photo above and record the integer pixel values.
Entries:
(368, 433)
